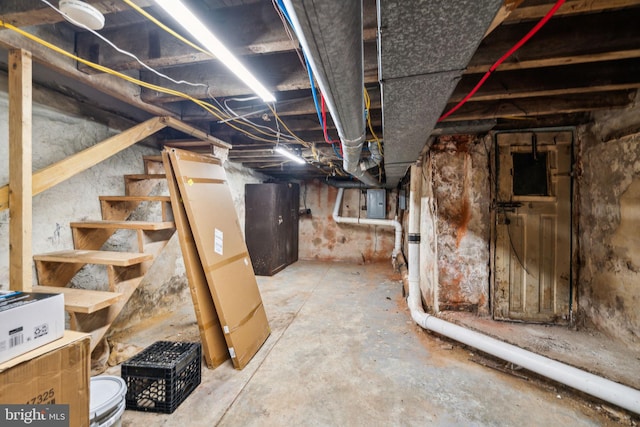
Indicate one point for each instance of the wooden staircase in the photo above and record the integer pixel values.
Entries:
(93, 311)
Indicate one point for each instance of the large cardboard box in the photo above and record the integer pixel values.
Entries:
(28, 321)
(222, 252)
(56, 373)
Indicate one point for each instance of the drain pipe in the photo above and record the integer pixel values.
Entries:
(602, 388)
(330, 33)
(367, 221)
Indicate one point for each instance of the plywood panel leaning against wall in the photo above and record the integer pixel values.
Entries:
(213, 343)
(223, 253)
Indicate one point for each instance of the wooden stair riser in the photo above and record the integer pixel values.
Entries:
(118, 275)
(153, 164)
(121, 209)
(85, 238)
(141, 185)
(56, 274)
(90, 239)
(153, 242)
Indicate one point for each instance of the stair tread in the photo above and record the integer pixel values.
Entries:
(81, 300)
(133, 225)
(136, 198)
(146, 176)
(121, 259)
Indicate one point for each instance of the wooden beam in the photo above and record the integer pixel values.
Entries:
(196, 133)
(20, 203)
(604, 76)
(286, 107)
(531, 107)
(262, 32)
(23, 13)
(569, 40)
(107, 84)
(278, 72)
(72, 165)
(532, 11)
(246, 30)
(503, 13)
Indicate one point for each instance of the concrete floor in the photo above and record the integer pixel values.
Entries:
(343, 351)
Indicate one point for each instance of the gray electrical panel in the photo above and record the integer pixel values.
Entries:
(377, 204)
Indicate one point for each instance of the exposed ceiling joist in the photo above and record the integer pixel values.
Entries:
(586, 58)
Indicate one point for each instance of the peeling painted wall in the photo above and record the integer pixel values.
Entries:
(609, 236)
(429, 286)
(57, 135)
(460, 175)
(320, 238)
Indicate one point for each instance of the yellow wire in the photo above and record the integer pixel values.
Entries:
(210, 108)
(151, 18)
(284, 125)
(184, 40)
(367, 101)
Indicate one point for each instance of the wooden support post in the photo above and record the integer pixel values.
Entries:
(20, 199)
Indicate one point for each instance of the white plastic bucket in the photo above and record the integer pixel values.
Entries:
(107, 401)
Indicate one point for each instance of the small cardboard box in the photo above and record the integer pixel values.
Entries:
(56, 373)
(28, 321)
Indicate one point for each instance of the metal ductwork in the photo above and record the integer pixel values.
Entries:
(330, 32)
(424, 47)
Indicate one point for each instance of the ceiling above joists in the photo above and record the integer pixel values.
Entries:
(586, 58)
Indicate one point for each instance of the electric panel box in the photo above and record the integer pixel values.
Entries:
(377, 204)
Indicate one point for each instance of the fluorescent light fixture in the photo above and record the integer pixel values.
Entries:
(290, 155)
(196, 28)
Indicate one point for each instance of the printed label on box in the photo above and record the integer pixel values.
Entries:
(219, 240)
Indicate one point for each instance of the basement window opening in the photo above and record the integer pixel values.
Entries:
(530, 174)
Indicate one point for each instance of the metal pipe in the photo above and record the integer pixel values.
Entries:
(347, 184)
(375, 159)
(366, 221)
(602, 388)
(414, 234)
(330, 33)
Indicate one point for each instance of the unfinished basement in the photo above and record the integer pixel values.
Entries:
(325, 213)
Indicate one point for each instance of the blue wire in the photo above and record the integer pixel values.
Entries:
(283, 8)
(335, 150)
(313, 91)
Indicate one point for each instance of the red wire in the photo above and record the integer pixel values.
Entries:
(324, 123)
(324, 118)
(510, 52)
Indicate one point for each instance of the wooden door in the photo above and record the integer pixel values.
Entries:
(533, 227)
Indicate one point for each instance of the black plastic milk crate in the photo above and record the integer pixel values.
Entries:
(161, 377)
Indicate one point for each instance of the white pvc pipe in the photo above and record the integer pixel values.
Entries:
(602, 388)
(366, 221)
